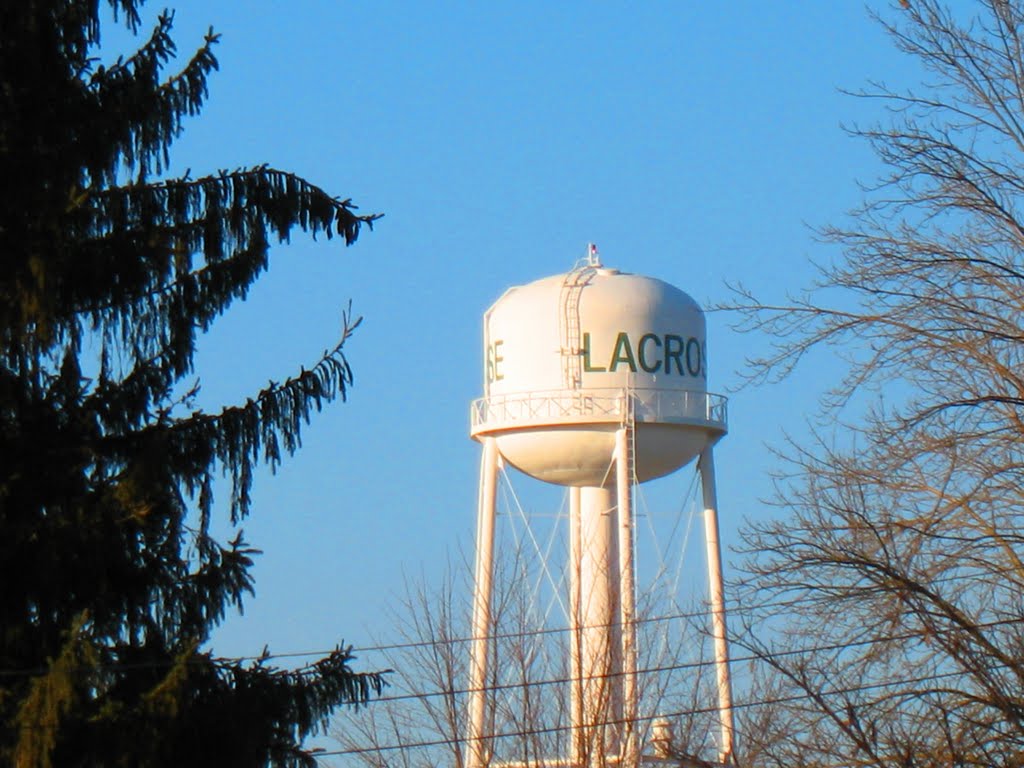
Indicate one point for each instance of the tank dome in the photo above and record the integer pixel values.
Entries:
(569, 358)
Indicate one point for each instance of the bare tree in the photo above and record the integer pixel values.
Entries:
(420, 720)
(893, 590)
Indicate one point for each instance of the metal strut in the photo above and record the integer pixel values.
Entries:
(625, 476)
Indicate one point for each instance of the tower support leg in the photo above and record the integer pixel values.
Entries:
(627, 595)
(716, 599)
(477, 755)
(577, 733)
(599, 627)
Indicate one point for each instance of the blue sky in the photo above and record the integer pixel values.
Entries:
(695, 142)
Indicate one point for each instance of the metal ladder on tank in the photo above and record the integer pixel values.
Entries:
(569, 318)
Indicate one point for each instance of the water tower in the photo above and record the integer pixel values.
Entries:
(595, 379)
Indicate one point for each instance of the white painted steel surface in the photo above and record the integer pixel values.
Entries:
(716, 599)
(595, 379)
(632, 330)
(577, 747)
(567, 437)
(477, 747)
(600, 630)
(562, 352)
(630, 742)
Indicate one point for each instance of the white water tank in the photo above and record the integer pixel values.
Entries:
(568, 358)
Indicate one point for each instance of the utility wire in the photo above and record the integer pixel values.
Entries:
(689, 665)
(522, 634)
(731, 607)
(519, 635)
(419, 696)
(644, 718)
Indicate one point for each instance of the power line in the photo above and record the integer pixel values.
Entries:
(689, 666)
(645, 718)
(518, 635)
(754, 657)
(523, 634)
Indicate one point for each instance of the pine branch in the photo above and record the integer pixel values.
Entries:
(239, 437)
(124, 260)
(51, 696)
(133, 116)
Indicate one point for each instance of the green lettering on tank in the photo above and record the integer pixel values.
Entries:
(642, 352)
(494, 361)
(693, 357)
(674, 350)
(622, 353)
(499, 374)
(587, 367)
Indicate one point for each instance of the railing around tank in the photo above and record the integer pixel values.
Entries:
(678, 406)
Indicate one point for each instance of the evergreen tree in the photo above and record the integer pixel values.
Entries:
(110, 581)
